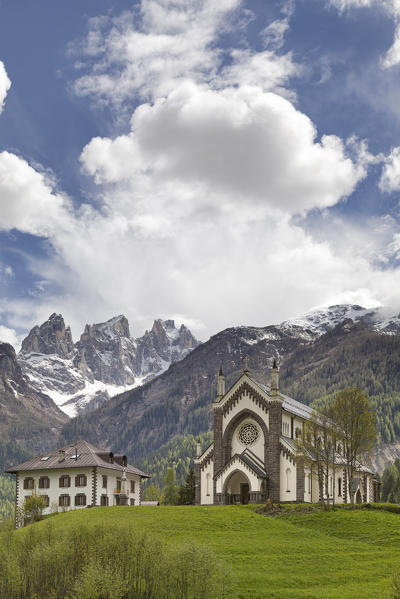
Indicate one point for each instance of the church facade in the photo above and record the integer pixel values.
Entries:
(254, 457)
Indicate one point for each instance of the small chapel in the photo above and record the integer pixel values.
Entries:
(254, 455)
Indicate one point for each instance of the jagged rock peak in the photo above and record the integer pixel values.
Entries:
(52, 337)
(116, 326)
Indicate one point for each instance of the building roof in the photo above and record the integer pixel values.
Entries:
(289, 404)
(77, 455)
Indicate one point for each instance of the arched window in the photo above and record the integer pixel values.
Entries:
(208, 480)
(339, 487)
(288, 480)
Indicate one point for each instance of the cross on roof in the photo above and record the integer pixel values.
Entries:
(246, 360)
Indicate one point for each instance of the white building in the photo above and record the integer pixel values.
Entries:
(77, 476)
(254, 456)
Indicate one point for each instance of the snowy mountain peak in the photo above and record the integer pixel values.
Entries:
(318, 321)
(105, 361)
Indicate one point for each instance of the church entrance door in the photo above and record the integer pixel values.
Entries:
(244, 493)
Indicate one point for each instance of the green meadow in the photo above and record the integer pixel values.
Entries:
(346, 554)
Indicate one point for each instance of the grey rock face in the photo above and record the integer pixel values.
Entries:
(104, 361)
(106, 352)
(52, 337)
(24, 413)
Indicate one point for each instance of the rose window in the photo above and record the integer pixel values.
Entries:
(248, 434)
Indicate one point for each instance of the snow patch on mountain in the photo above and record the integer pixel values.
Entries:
(104, 362)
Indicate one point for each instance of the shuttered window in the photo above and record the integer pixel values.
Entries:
(104, 500)
(80, 480)
(80, 499)
(28, 483)
(64, 500)
(46, 500)
(44, 482)
(65, 481)
(104, 481)
(132, 486)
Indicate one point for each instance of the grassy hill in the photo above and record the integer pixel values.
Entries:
(344, 554)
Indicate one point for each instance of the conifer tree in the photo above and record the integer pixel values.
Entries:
(186, 491)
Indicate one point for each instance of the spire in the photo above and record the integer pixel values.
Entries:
(221, 384)
(198, 448)
(274, 378)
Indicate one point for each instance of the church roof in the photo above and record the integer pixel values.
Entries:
(289, 404)
(247, 458)
(77, 455)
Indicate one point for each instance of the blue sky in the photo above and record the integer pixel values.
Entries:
(218, 163)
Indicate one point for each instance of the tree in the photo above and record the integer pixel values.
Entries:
(391, 483)
(152, 493)
(354, 417)
(170, 491)
(186, 491)
(33, 508)
(316, 446)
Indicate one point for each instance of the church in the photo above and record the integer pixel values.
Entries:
(254, 456)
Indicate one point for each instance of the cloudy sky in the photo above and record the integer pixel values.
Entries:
(218, 162)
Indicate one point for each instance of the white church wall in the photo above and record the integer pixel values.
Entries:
(254, 481)
(257, 448)
(288, 479)
(307, 485)
(207, 484)
(245, 403)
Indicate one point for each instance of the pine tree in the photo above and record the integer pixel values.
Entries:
(186, 491)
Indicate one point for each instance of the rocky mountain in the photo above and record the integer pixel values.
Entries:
(28, 417)
(319, 354)
(105, 361)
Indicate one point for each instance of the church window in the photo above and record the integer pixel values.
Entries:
(287, 480)
(248, 434)
(208, 480)
(339, 487)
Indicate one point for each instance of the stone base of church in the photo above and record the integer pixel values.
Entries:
(231, 499)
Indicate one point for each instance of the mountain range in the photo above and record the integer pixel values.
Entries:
(164, 382)
(106, 360)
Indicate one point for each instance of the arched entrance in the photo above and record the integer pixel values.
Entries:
(358, 496)
(237, 488)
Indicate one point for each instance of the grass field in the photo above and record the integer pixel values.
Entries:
(346, 554)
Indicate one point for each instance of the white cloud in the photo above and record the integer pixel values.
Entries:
(149, 52)
(195, 204)
(27, 200)
(252, 147)
(8, 335)
(5, 85)
(390, 177)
